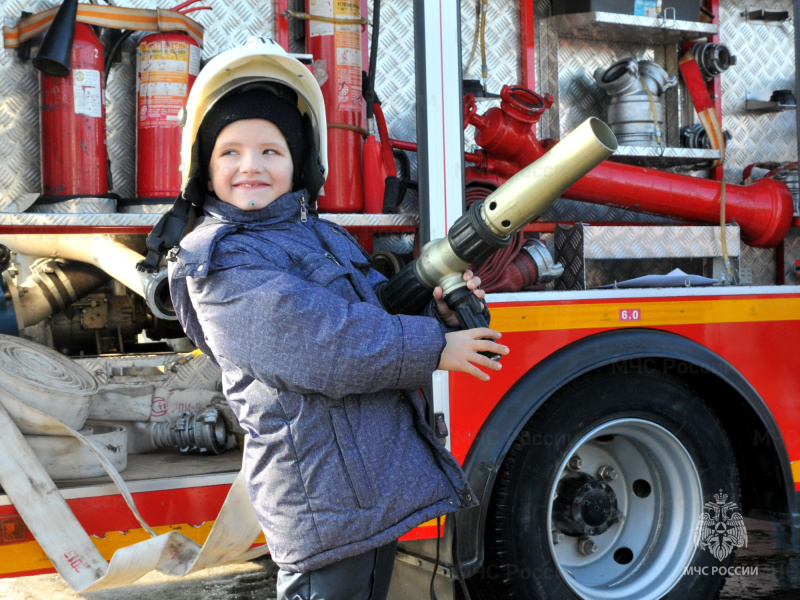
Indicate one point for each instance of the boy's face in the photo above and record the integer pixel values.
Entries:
(250, 165)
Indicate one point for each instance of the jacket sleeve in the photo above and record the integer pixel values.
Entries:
(296, 335)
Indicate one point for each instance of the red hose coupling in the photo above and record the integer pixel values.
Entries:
(509, 132)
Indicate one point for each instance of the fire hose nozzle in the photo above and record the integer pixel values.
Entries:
(488, 226)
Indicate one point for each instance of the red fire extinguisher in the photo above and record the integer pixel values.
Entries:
(167, 66)
(337, 50)
(72, 123)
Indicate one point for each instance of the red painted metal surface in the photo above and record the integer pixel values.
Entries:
(101, 514)
(770, 373)
(763, 210)
(72, 123)
(281, 23)
(527, 40)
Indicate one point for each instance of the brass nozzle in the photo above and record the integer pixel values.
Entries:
(529, 192)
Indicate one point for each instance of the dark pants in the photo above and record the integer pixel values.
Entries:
(363, 577)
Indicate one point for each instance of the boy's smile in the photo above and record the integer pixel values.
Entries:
(250, 165)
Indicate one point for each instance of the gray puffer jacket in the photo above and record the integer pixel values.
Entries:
(339, 458)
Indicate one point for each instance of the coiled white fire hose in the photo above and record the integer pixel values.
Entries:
(51, 378)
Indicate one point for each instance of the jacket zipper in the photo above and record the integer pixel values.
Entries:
(303, 211)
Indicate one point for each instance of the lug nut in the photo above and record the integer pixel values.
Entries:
(575, 463)
(587, 547)
(607, 473)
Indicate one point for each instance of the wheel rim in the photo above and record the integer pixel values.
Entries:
(657, 491)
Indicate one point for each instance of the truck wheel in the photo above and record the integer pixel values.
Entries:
(601, 495)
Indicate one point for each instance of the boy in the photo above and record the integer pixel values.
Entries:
(339, 460)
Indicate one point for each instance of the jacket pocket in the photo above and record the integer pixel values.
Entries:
(318, 268)
(353, 463)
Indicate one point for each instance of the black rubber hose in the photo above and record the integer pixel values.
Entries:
(369, 93)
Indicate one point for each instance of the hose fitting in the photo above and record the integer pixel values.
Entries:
(205, 431)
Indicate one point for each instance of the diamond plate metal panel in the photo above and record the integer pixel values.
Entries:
(759, 264)
(765, 61)
(593, 256)
(395, 83)
(602, 26)
(197, 374)
(502, 43)
(658, 242)
(77, 206)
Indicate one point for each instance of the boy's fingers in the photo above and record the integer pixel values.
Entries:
(485, 332)
(476, 372)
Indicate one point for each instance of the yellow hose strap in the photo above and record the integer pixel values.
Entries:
(656, 127)
(106, 16)
(359, 130)
(336, 20)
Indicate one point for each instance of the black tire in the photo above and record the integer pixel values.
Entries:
(670, 455)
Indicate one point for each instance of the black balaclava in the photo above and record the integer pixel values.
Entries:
(255, 103)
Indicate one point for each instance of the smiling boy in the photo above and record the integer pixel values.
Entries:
(339, 459)
(251, 165)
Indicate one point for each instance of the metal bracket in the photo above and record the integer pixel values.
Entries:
(424, 564)
(767, 16)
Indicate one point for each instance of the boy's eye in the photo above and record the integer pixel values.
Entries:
(269, 151)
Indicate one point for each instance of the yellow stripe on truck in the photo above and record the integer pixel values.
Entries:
(796, 471)
(29, 556)
(640, 312)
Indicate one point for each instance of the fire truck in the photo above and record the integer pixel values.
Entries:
(649, 401)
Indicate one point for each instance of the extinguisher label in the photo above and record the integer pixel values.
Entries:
(163, 80)
(194, 60)
(88, 96)
(345, 73)
(320, 8)
(348, 57)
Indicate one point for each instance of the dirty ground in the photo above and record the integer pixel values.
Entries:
(771, 571)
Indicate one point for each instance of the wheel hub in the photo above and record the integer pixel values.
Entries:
(584, 506)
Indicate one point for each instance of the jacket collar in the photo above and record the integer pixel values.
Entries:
(287, 207)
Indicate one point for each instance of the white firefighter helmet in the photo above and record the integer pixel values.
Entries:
(259, 60)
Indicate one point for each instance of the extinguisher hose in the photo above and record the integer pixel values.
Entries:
(484, 65)
(369, 93)
(113, 52)
(383, 133)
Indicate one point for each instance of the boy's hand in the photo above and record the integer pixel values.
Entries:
(462, 351)
(445, 312)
